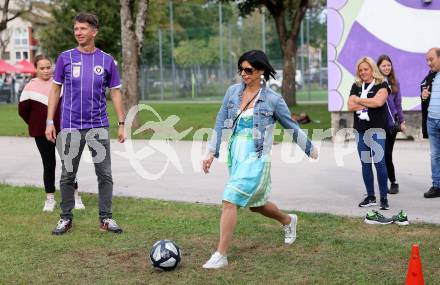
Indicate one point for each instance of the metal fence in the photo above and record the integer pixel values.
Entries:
(210, 83)
(191, 59)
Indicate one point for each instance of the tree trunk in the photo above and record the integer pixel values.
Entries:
(132, 38)
(4, 20)
(288, 42)
(5, 37)
(289, 68)
(5, 17)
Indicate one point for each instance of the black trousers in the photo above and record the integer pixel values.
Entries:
(47, 153)
(389, 145)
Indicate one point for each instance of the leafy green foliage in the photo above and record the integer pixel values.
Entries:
(196, 28)
(57, 36)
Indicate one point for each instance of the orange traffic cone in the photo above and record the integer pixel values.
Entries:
(415, 273)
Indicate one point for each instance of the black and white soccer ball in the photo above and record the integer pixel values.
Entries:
(165, 255)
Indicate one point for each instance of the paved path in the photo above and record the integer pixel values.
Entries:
(331, 185)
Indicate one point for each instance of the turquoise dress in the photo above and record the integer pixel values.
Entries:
(249, 183)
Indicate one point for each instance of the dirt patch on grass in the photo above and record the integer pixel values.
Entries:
(124, 256)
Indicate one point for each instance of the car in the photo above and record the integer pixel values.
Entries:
(275, 84)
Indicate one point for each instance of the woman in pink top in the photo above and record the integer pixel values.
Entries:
(33, 109)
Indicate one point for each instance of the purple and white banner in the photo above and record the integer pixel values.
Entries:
(402, 29)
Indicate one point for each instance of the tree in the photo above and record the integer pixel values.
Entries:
(158, 19)
(288, 15)
(318, 30)
(19, 8)
(198, 52)
(5, 37)
(193, 52)
(193, 20)
(133, 23)
(57, 35)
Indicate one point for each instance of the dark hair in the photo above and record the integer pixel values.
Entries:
(258, 60)
(392, 80)
(41, 57)
(437, 52)
(89, 18)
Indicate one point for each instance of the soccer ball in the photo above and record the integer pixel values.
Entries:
(165, 255)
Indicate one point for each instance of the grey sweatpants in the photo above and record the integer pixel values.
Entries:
(70, 144)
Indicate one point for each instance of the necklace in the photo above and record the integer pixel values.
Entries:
(249, 101)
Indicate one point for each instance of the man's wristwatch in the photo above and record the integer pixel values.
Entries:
(121, 124)
(49, 123)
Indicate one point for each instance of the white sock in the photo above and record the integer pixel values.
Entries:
(76, 194)
(50, 196)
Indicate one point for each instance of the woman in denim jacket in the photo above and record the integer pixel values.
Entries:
(250, 110)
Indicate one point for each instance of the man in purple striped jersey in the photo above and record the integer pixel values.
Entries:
(84, 73)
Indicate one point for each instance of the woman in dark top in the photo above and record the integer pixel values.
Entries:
(396, 120)
(367, 99)
(33, 109)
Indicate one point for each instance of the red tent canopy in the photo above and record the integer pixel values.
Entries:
(25, 66)
(6, 67)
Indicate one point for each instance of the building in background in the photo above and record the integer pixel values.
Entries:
(18, 42)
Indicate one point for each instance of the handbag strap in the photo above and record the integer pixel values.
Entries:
(245, 107)
(391, 115)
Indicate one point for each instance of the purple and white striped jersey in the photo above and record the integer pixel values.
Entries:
(85, 77)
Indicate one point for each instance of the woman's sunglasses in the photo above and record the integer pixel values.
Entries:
(247, 70)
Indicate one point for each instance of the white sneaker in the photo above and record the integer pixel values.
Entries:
(290, 230)
(79, 203)
(216, 261)
(49, 205)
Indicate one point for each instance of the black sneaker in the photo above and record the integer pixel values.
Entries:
(368, 202)
(384, 204)
(401, 219)
(394, 188)
(62, 227)
(433, 192)
(109, 225)
(376, 218)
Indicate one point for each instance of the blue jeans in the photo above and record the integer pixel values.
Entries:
(434, 141)
(371, 148)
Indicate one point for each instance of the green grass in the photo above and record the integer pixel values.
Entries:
(315, 95)
(192, 115)
(329, 249)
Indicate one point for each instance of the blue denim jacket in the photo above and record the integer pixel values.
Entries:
(270, 107)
